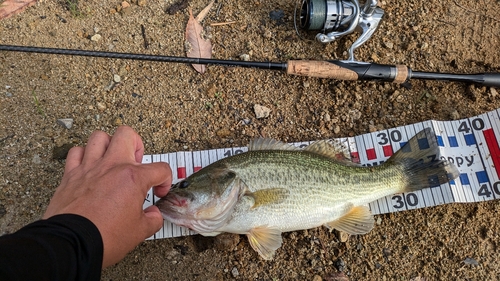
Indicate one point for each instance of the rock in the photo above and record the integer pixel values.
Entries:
(454, 115)
(493, 92)
(223, 133)
(96, 37)
(37, 159)
(317, 278)
(336, 130)
(141, 3)
(261, 111)
(471, 261)
(118, 121)
(65, 122)
(340, 264)
(125, 5)
(245, 57)
(389, 45)
(235, 272)
(101, 106)
(246, 121)
(117, 78)
(372, 128)
(379, 221)
(326, 117)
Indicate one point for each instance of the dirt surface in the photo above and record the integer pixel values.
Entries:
(175, 108)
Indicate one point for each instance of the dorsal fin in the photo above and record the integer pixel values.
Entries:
(269, 144)
(332, 149)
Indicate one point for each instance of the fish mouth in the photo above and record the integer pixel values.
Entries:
(171, 207)
(175, 208)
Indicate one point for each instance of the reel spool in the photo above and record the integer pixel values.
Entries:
(336, 18)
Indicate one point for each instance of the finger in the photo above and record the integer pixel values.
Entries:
(74, 158)
(124, 145)
(161, 190)
(155, 174)
(139, 150)
(152, 222)
(96, 146)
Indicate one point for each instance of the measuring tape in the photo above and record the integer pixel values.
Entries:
(472, 144)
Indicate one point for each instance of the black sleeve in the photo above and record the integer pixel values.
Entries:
(63, 247)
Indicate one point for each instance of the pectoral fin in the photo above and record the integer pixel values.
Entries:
(265, 241)
(268, 196)
(358, 220)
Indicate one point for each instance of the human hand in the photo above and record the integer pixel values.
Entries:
(106, 183)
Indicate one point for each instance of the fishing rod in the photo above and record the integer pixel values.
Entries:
(333, 69)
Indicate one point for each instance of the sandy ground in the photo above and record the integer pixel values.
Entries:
(174, 108)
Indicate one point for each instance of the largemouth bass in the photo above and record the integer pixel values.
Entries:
(276, 187)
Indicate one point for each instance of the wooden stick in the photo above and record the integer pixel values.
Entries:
(222, 23)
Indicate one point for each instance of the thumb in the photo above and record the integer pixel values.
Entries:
(152, 222)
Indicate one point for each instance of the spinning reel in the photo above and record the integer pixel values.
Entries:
(336, 18)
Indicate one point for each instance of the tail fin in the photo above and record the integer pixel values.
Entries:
(422, 163)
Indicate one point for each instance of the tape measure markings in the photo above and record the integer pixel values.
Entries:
(472, 144)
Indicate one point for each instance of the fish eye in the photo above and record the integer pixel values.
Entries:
(183, 184)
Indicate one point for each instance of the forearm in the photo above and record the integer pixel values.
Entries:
(63, 247)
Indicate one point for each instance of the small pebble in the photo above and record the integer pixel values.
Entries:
(65, 122)
(454, 115)
(261, 111)
(379, 221)
(235, 272)
(37, 159)
(389, 45)
(101, 106)
(96, 37)
(471, 261)
(125, 5)
(246, 121)
(340, 264)
(245, 57)
(326, 117)
(117, 78)
(141, 3)
(317, 278)
(493, 92)
(336, 130)
(344, 236)
(118, 121)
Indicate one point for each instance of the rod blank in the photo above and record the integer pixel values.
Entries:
(341, 70)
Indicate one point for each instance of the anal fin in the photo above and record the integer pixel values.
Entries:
(265, 241)
(358, 220)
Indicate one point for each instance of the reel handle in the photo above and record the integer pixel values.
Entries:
(346, 70)
(400, 74)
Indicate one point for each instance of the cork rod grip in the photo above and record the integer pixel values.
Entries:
(321, 69)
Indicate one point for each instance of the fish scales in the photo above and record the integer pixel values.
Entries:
(318, 187)
(276, 187)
